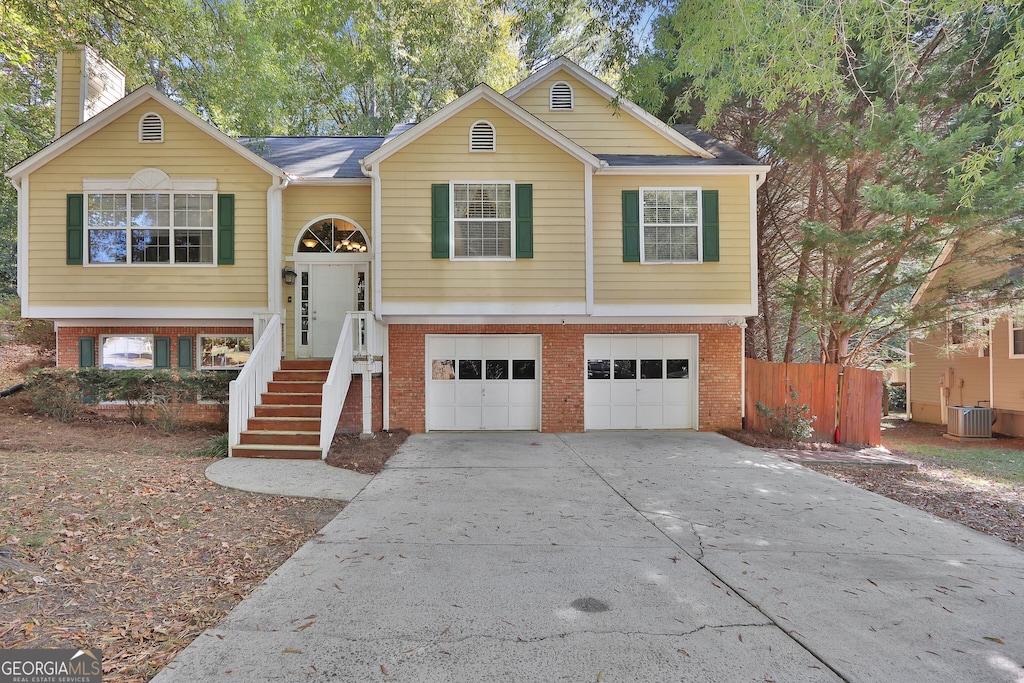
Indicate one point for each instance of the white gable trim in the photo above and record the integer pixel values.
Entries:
(487, 94)
(941, 260)
(602, 88)
(118, 109)
(686, 170)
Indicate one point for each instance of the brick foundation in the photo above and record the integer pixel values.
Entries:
(562, 370)
(352, 414)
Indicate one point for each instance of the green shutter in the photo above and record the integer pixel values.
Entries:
(710, 200)
(631, 226)
(524, 221)
(226, 229)
(76, 228)
(161, 353)
(186, 356)
(439, 221)
(87, 352)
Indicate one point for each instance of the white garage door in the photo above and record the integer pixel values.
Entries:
(641, 382)
(483, 382)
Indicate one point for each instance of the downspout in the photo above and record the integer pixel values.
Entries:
(588, 234)
(21, 187)
(910, 414)
(376, 284)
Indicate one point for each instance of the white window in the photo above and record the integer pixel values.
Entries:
(151, 128)
(482, 220)
(224, 352)
(482, 137)
(561, 97)
(126, 352)
(1016, 338)
(150, 227)
(670, 225)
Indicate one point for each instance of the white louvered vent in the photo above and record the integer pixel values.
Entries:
(151, 128)
(481, 137)
(561, 97)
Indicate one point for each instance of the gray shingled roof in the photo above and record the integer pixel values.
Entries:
(315, 157)
(724, 155)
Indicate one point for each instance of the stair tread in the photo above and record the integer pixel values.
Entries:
(276, 447)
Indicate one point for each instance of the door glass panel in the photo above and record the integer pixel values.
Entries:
(524, 369)
(625, 369)
(442, 369)
(497, 369)
(651, 369)
(599, 369)
(469, 369)
(678, 368)
(304, 307)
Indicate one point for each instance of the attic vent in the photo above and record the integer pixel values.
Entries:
(151, 128)
(481, 137)
(561, 97)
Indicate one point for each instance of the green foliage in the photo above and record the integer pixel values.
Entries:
(60, 391)
(790, 422)
(215, 447)
(897, 398)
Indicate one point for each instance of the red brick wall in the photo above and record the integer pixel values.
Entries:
(67, 338)
(562, 371)
(352, 414)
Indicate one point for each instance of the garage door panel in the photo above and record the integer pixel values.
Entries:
(651, 417)
(623, 346)
(483, 382)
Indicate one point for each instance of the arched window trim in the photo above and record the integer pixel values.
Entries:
(314, 255)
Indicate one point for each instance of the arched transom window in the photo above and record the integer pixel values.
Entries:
(332, 236)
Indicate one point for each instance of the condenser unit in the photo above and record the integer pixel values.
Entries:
(969, 422)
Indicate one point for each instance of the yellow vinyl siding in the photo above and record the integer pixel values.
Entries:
(557, 272)
(114, 152)
(71, 90)
(725, 282)
(594, 123)
(1008, 372)
(964, 376)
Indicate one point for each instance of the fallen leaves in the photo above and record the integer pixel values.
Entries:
(131, 551)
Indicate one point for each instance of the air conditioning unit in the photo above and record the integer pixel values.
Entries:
(969, 422)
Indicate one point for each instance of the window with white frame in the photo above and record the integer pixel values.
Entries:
(228, 352)
(126, 352)
(482, 220)
(1016, 338)
(670, 225)
(150, 227)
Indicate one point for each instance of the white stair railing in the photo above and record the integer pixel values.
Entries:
(245, 390)
(338, 381)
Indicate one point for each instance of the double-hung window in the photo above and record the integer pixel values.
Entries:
(482, 220)
(150, 227)
(670, 225)
(1016, 338)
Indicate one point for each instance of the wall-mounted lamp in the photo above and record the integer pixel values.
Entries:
(289, 276)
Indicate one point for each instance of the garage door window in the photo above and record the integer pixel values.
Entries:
(524, 369)
(670, 368)
(443, 369)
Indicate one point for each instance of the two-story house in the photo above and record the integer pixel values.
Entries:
(550, 258)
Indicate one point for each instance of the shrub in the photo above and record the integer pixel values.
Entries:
(60, 397)
(897, 398)
(791, 422)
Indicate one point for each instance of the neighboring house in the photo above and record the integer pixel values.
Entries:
(969, 360)
(552, 258)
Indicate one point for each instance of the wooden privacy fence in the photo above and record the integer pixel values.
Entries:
(851, 401)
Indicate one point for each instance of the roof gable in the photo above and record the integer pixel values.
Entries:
(480, 93)
(564, 70)
(119, 109)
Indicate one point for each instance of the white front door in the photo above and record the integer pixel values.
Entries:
(326, 293)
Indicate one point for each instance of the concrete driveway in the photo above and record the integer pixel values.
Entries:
(623, 557)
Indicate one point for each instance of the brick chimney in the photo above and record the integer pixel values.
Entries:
(86, 85)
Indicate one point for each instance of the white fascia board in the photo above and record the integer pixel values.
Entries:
(126, 314)
(118, 109)
(684, 170)
(940, 261)
(300, 180)
(481, 92)
(153, 322)
(477, 309)
(675, 310)
(560, 320)
(609, 93)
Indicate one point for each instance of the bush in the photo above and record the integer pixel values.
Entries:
(791, 422)
(58, 388)
(897, 398)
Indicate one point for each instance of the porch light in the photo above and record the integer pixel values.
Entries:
(289, 276)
